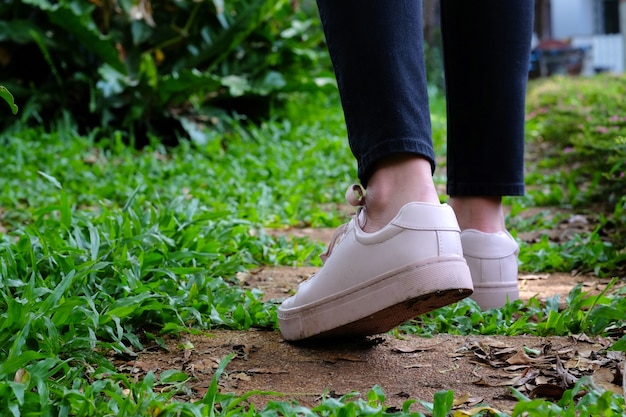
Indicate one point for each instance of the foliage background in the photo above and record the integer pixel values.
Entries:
(156, 66)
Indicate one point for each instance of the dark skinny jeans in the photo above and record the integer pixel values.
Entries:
(376, 47)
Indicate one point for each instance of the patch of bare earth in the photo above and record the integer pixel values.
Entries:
(478, 369)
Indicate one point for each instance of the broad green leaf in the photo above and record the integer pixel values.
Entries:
(15, 362)
(6, 95)
(18, 30)
(88, 36)
(51, 301)
(442, 403)
(124, 307)
(619, 345)
(255, 12)
(172, 375)
(18, 390)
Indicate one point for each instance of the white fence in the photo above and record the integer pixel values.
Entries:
(606, 52)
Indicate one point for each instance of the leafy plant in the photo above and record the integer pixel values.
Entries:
(594, 315)
(592, 402)
(160, 66)
(580, 120)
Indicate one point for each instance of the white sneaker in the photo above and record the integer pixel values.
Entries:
(372, 282)
(492, 260)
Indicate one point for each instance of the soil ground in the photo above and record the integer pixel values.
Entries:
(478, 369)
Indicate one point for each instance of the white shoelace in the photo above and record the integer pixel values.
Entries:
(355, 196)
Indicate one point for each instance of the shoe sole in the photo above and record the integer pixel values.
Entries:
(382, 303)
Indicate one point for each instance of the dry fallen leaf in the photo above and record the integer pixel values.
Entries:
(604, 378)
(413, 349)
(241, 376)
(567, 378)
(549, 391)
(461, 400)
(520, 358)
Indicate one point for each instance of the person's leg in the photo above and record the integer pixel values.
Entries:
(401, 255)
(376, 50)
(486, 57)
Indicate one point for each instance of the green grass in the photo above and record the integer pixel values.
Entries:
(104, 247)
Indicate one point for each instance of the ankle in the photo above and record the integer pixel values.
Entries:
(482, 213)
(398, 180)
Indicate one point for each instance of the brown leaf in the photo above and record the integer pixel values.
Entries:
(461, 400)
(488, 383)
(567, 378)
(413, 349)
(520, 358)
(604, 378)
(241, 376)
(549, 391)
(582, 364)
(505, 351)
(21, 376)
(529, 376)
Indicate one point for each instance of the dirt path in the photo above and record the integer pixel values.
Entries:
(478, 369)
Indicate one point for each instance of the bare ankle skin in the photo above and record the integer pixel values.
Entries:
(398, 180)
(482, 213)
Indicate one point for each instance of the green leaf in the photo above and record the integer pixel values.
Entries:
(180, 85)
(51, 301)
(88, 36)
(40, 40)
(247, 20)
(443, 402)
(8, 97)
(172, 375)
(210, 397)
(50, 178)
(18, 361)
(619, 345)
(18, 31)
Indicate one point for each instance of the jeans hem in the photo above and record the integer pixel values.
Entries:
(368, 161)
(485, 189)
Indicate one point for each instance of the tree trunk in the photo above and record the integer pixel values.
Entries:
(431, 21)
(543, 20)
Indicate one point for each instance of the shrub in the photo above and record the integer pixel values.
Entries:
(580, 124)
(155, 65)
(583, 121)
